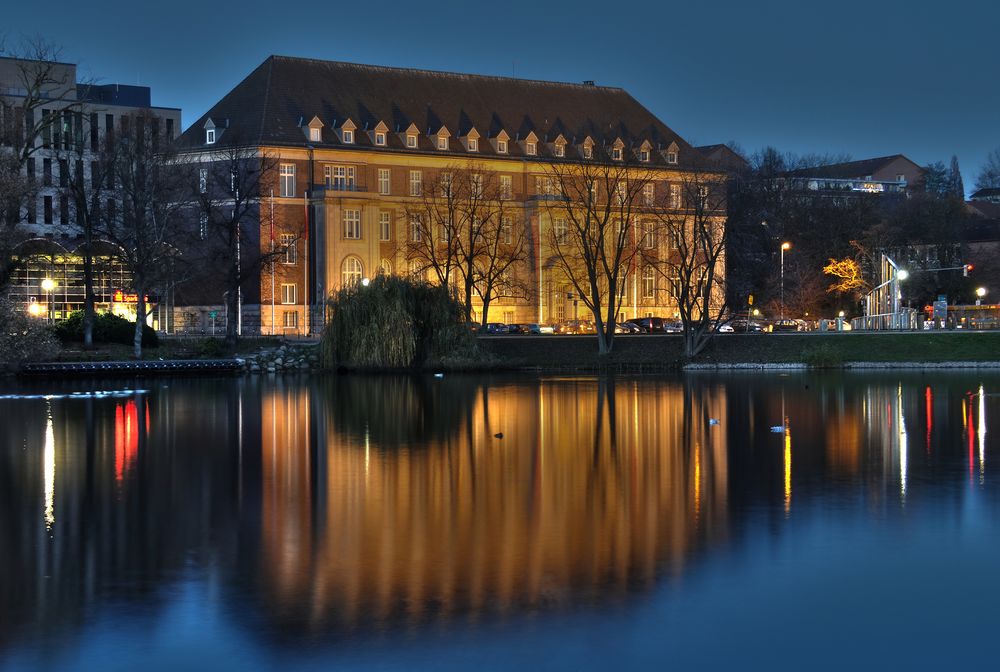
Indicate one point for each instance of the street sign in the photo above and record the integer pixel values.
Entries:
(212, 314)
(941, 309)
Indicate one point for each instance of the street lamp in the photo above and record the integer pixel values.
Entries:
(365, 282)
(48, 285)
(784, 246)
(980, 293)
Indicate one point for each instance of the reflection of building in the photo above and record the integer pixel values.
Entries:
(75, 125)
(358, 146)
(574, 499)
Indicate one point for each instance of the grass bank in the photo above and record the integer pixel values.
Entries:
(638, 353)
(169, 348)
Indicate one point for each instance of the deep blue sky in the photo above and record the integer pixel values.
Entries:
(866, 78)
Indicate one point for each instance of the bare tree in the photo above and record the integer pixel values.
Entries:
(36, 115)
(141, 215)
(691, 252)
(436, 222)
(500, 248)
(592, 239)
(989, 174)
(229, 200)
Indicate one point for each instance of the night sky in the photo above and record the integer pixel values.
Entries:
(868, 79)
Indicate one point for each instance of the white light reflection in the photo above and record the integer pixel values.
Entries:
(982, 433)
(901, 425)
(49, 469)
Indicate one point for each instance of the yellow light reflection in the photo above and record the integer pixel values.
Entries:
(697, 479)
(49, 470)
(982, 433)
(788, 467)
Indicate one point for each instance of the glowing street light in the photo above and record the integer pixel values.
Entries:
(784, 246)
(365, 282)
(48, 285)
(980, 293)
(902, 274)
(35, 309)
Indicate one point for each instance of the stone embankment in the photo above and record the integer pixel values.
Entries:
(284, 358)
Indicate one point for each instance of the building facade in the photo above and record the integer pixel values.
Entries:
(75, 119)
(356, 151)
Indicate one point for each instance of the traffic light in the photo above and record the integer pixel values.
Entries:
(966, 269)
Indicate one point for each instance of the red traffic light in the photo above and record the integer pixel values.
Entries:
(966, 269)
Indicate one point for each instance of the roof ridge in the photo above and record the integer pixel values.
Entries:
(452, 73)
(267, 95)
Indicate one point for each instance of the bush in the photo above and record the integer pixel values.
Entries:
(823, 356)
(212, 348)
(108, 328)
(395, 323)
(22, 338)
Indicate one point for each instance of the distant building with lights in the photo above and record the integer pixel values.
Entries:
(82, 117)
(894, 174)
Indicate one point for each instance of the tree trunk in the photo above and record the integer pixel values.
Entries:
(486, 311)
(88, 293)
(140, 320)
(232, 310)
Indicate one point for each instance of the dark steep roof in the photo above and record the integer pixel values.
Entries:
(849, 170)
(988, 192)
(283, 94)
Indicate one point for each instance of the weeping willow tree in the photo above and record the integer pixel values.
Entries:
(396, 323)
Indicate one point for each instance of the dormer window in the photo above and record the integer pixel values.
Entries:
(531, 149)
(380, 138)
(672, 157)
(314, 134)
(501, 146)
(560, 150)
(209, 136)
(644, 155)
(473, 144)
(348, 136)
(588, 152)
(616, 153)
(411, 140)
(442, 142)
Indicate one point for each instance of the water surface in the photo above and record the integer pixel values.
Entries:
(763, 521)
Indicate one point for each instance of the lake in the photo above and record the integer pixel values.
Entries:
(759, 521)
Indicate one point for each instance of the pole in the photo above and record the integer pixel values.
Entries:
(305, 270)
(272, 263)
(239, 286)
(782, 281)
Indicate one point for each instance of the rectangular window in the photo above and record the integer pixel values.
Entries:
(48, 209)
(559, 230)
(506, 187)
(291, 248)
(477, 185)
(170, 129)
(672, 157)
(63, 172)
(415, 228)
(531, 149)
(702, 197)
(314, 135)
(445, 185)
(644, 156)
(385, 226)
(384, 176)
(588, 152)
(507, 230)
(380, 138)
(202, 227)
(648, 283)
(616, 154)
(348, 136)
(648, 235)
(352, 224)
(339, 178)
(202, 180)
(286, 176)
(675, 196)
(501, 146)
(290, 319)
(648, 191)
(288, 292)
(560, 150)
(442, 142)
(411, 141)
(94, 128)
(416, 183)
(32, 210)
(210, 136)
(29, 167)
(675, 286)
(46, 172)
(473, 144)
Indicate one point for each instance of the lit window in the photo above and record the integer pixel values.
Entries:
(588, 152)
(648, 283)
(531, 149)
(291, 250)
(339, 178)
(415, 269)
(560, 150)
(648, 193)
(616, 154)
(383, 181)
(380, 138)
(442, 142)
(352, 224)
(559, 231)
(314, 134)
(672, 157)
(210, 136)
(416, 183)
(501, 146)
(286, 180)
(416, 228)
(287, 293)
(348, 137)
(385, 226)
(506, 187)
(411, 140)
(473, 145)
(644, 156)
(648, 235)
(351, 272)
(477, 185)
(385, 267)
(675, 196)
(290, 319)
(507, 230)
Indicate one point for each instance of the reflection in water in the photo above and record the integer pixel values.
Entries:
(326, 505)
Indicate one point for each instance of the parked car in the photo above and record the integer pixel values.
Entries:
(726, 328)
(547, 329)
(675, 327)
(742, 326)
(497, 328)
(649, 325)
(786, 325)
(531, 328)
(627, 328)
(575, 327)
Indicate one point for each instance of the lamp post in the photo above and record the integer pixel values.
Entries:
(980, 293)
(48, 285)
(784, 246)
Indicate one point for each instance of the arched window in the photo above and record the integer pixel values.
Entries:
(351, 272)
(385, 267)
